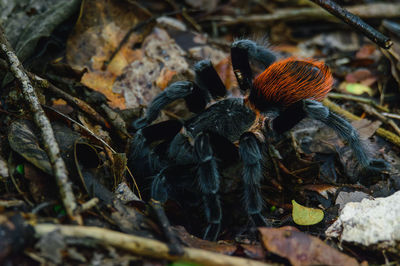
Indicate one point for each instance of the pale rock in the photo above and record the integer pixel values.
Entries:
(369, 222)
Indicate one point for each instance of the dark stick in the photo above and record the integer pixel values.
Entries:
(355, 22)
(175, 248)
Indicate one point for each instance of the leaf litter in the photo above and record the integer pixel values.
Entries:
(314, 167)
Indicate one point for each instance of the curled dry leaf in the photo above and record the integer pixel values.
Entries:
(302, 249)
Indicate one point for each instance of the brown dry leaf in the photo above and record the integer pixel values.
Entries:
(302, 249)
(366, 128)
(225, 71)
(100, 29)
(322, 189)
(366, 51)
(162, 60)
(363, 76)
(192, 241)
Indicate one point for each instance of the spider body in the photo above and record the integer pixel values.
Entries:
(233, 129)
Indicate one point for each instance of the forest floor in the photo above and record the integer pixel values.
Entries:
(76, 75)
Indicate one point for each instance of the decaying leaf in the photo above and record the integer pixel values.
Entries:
(366, 128)
(23, 140)
(302, 249)
(143, 79)
(98, 32)
(306, 216)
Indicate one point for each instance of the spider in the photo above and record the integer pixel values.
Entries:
(274, 102)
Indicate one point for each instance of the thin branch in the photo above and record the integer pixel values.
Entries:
(359, 99)
(368, 11)
(372, 111)
(45, 84)
(355, 22)
(393, 116)
(175, 247)
(143, 246)
(389, 136)
(42, 122)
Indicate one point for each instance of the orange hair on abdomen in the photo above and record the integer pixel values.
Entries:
(290, 80)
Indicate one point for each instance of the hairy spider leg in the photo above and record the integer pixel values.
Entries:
(288, 118)
(208, 181)
(176, 90)
(346, 131)
(207, 85)
(208, 79)
(140, 157)
(252, 157)
(242, 51)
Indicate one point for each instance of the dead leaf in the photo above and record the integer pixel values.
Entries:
(101, 27)
(225, 71)
(366, 128)
(163, 59)
(192, 241)
(302, 249)
(363, 76)
(366, 51)
(322, 189)
(345, 197)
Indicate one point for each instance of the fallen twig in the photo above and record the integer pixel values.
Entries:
(393, 116)
(45, 84)
(372, 111)
(42, 122)
(368, 11)
(143, 246)
(342, 96)
(393, 138)
(175, 247)
(355, 22)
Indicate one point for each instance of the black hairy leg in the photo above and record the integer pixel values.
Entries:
(208, 180)
(145, 160)
(346, 131)
(252, 157)
(173, 92)
(207, 85)
(242, 51)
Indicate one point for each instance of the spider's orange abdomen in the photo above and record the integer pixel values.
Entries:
(290, 80)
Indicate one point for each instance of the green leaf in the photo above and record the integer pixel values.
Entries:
(20, 169)
(306, 216)
(59, 210)
(358, 89)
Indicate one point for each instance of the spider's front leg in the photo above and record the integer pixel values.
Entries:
(207, 85)
(251, 155)
(242, 51)
(208, 180)
(346, 131)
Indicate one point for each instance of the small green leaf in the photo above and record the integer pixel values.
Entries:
(183, 263)
(59, 210)
(358, 89)
(306, 216)
(20, 169)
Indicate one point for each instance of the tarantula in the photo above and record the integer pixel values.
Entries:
(274, 102)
